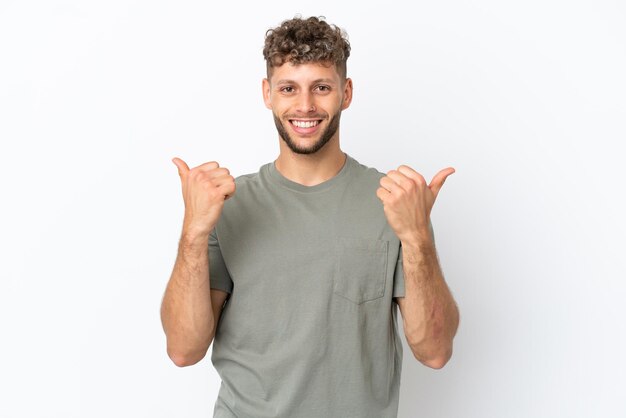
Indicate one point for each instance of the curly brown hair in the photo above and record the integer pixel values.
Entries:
(300, 41)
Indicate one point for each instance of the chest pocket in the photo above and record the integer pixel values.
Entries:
(361, 269)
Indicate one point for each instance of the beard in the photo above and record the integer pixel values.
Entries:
(326, 135)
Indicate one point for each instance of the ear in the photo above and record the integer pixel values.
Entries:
(266, 93)
(347, 94)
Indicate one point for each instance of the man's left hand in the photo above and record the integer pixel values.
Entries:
(408, 200)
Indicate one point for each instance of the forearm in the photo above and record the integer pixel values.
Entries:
(186, 311)
(431, 315)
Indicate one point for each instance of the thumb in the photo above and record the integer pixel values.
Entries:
(439, 179)
(182, 166)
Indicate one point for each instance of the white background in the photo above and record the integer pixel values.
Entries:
(525, 99)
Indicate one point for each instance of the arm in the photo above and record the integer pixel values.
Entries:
(190, 310)
(429, 313)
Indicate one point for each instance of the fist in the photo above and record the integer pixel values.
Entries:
(205, 189)
(408, 200)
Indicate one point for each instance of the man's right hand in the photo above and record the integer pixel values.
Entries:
(205, 188)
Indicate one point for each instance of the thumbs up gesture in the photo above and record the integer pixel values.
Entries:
(205, 188)
(408, 201)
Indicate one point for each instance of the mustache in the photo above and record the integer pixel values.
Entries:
(316, 116)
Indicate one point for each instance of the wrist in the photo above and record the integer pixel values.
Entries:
(192, 236)
(417, 240)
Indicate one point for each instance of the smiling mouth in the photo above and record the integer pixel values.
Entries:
(303, 124)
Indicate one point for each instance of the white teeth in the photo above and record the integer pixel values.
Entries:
(308, 124)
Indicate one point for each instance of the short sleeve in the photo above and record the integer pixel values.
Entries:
(398, 275)
(218, 273)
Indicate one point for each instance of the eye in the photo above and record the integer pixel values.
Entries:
(323, 88)
(287, 89)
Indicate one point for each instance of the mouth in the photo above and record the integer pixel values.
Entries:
(305, 126)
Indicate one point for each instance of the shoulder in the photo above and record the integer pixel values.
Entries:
(246, 179)
(250, 180)
(366, 173)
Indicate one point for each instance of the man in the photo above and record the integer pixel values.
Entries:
(308, 260)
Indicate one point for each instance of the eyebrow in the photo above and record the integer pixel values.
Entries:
(319, 80)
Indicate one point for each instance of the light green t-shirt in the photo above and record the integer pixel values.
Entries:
(310, 327)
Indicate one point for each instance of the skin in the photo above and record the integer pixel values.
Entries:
(430, 315)
(190, 309)
(310, 92)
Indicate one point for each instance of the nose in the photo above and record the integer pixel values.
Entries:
(306, 102)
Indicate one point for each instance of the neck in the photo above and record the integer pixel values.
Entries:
(310, 169)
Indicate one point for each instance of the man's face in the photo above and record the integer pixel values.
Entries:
(306, 101)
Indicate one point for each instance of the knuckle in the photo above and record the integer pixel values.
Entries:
(196, 173)
(214, 193)
(219, 171)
